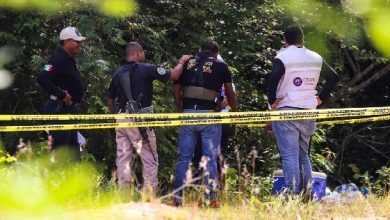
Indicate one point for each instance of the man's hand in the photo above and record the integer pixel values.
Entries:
(224, 103)
(319, 101)
(275, 104)
(268, 124)
(67, 99)
(231, 96)
(178, 70)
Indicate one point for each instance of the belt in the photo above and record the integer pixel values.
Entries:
(198, 107)
(292, 107)
(148, 109)
(55, 98)
(196, 92)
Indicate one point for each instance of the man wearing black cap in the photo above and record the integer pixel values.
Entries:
(61, 79)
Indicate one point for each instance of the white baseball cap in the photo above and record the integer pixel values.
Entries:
(71, 33)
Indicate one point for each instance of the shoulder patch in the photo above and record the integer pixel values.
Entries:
(48, 68)
(191, 63)
(161, 71)
(207, 67)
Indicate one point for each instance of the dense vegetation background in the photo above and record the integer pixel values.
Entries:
(249, 34)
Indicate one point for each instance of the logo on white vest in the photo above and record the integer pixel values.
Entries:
(297, 81)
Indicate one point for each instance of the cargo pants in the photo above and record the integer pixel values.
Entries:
(129, 142)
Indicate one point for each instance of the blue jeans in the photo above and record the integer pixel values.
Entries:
(292, 139)
(210, 136)
(63, 138)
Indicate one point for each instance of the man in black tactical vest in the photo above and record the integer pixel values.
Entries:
(200, 83)
(131, 91)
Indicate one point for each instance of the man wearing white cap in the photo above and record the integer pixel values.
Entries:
(61, 79)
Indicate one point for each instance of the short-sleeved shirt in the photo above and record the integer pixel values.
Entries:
(215, 73)
(61, 73)
(141, 82)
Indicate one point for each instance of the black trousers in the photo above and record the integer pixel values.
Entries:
(66, 140)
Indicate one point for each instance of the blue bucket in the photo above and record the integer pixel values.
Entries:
(318, 185)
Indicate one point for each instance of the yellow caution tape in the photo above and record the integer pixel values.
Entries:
(334, 122)
(203, 121)
(356, 120)
(282, 115)
(132, 124)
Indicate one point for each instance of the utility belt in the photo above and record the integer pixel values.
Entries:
(199, 107)
(196, 92)
(148, 109)
(199, 104)
(61, 104)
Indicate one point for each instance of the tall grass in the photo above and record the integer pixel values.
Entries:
(43, 189)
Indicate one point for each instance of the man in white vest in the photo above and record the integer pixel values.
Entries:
(292, 86)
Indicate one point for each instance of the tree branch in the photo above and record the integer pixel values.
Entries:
(346, 91)
(377, 143)
(360, 75)
(380, 127)
(344, 143)
(350, 60)
(385, 70)
(375, 150)
(368, 140)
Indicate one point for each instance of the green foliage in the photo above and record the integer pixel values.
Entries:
(247, 46)
(383, 181)
(5, 158)
(249, 34)
(110, 7)
(231, 180)
(378, 183)
(47, 188)
(321, 156)
(377, 14)
(43, 186)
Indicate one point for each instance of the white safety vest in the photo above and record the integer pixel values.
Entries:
(297, 87)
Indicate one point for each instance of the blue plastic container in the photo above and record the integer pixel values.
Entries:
(318, 187)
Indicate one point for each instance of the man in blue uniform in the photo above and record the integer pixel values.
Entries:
(200, 83)
(61, 79)
(292, 86)
(131, 140)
